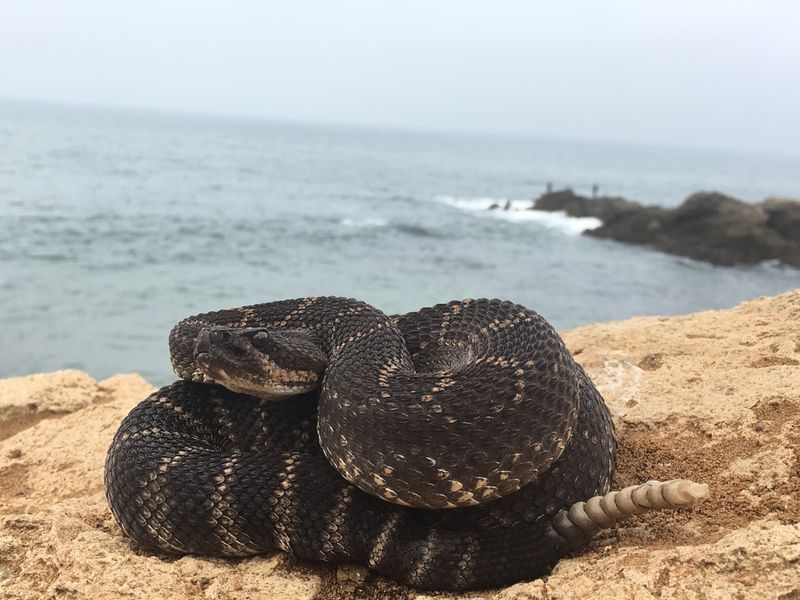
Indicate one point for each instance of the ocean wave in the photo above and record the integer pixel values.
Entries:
(404, 228)
(416, 230)
(520, 210)
(363, 222)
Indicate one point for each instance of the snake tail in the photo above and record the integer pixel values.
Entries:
(583, 520)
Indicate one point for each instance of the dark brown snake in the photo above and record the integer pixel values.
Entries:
(440, 448)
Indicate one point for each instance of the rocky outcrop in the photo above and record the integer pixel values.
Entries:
(783, 215)
(605, 208)
(712, 396)
(708, 226)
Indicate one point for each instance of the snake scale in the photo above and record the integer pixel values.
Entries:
(441, 448)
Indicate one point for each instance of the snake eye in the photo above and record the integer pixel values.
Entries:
(262, 340)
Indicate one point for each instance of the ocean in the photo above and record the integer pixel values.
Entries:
(115, 224)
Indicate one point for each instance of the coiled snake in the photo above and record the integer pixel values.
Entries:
(448, 448)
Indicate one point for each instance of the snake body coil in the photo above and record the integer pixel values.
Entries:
(474, 407)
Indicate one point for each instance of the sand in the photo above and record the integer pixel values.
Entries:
(712, 396)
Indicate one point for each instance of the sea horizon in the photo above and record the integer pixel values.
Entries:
(779, 155)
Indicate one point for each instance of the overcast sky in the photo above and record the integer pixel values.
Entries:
(720, 73)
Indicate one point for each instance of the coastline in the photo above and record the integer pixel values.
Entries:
(713, 396)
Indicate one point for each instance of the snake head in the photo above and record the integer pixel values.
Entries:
(261, 362)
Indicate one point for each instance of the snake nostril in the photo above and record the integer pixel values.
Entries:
(203, 342)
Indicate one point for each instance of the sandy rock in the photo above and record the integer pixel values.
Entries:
(712, 396)
(714, 570)
(24, 401)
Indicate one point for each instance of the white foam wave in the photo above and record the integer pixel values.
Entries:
(520, 210)
(364, 222)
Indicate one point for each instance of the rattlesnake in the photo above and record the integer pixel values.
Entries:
(448, 448)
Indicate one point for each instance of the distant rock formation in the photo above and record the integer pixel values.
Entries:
(708, 226)
(496, 205)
